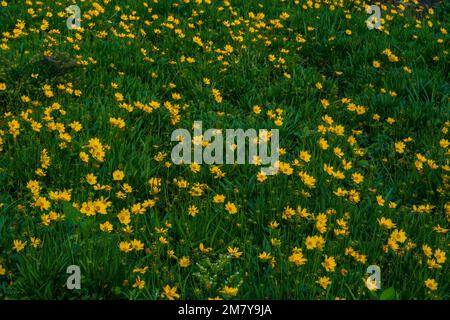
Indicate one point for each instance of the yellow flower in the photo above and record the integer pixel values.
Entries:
(195, 167)
(139, 283)
(140, 270)
(35, 242)
(380, 200)
(203, 249)
(42, 203)
(230, 291)
(431, 284)
(427, 251)
(45, 219)
(386, 223)
(399, 235)
(400, 147)
(305, 156)
(84, 156)
(118, 96)
(231, 208)
(219, 198)
(125, 246)
(257, 109)
(325, 103)
(124, 216)
(261, 176)
(76, 126)
(106, 227)
(137, 245)
(297, 257)
(234, 252)
(357, 178)
(184, 262)
(118, 175)
(2, 270)
(329, 264)
(117, 122)
(392, 205)
(170, 293)
(324, 282)
(264, 256)
(19, 245)
(193, 211)
(91, 179)
(2, 86)
(440, 256)
(323, 144)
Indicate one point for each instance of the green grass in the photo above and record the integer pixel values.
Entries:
(248, 78)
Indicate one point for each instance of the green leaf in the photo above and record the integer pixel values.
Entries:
(71, 213)
(388, 294)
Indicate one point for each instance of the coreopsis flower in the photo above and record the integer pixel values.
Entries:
(440, 256)
(261, 176)
(117, 122)
(297, 257)
(325, 103)
(140, 284)
(234, 252)
(91, 179)
(386, 223)
(399, 235)
(193, 211)
(203, 249)
(229, 291)
(219, 198)
(305, 156)
(35, 242)
(118, 175)
(380, 200)
(18, 245)
(184, 262)
(400, 147)
(140, 270)
(324, 282)
(431, 284)
(323, 144)
(170, 293)
(124, 216)
(42, 203)
(357, 178)
(329, 264)
(125, 246)
(106, 227)
(84, 156)
(230, 208)
(76, 126)
(264, 256)
(137, 245)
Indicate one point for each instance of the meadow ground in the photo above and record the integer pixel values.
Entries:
(86, 176)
